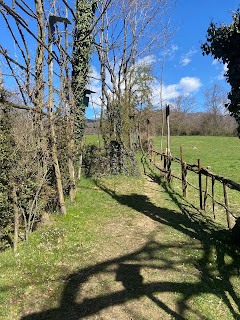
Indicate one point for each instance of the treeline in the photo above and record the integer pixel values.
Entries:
(190, 124)
(181, 124)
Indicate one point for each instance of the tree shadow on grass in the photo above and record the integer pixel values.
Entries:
(127, 269)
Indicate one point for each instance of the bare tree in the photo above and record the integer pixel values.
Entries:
(181, 106)
(215, 100)
(126, 32)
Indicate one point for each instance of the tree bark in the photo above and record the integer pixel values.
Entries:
(16, 218)
(52, 130)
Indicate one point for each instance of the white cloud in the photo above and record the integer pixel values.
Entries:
(94, 76)
(189, 84)
(185, 86)
(218, 65)
(170, 53)
(223, 71)
(170, 92)
(215, 62)
(186, 59)
(148, 60)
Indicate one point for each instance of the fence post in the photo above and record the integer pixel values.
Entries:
(213, 197)
(200, 182)
(206, 193)
(169, 167)
(148, 129)
(227, 205)
(164, 162)
(168, 128)
(184, 174)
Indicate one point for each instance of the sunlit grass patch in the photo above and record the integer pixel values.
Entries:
(184, 267)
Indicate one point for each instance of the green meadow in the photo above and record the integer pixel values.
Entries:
(131, 248)
(222, 154)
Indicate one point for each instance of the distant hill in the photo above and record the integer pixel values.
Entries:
(92, 126)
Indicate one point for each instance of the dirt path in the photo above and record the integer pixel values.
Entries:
(156, 260)
(130, 263)
(134, 271)
(152, 266)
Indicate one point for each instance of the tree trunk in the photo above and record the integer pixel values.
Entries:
(39, 61)
(52, 130)
(71, 170)
(70, 125)
(16, 218)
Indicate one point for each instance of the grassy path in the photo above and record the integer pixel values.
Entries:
(128, 249)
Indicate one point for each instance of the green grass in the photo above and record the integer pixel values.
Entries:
(72, 267)
(54, 251)
(93, 139)
(221, 154)
(69, 269)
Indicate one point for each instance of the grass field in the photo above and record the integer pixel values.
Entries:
(125, 250)
(129, 248)
(93, 139)
(222, 154)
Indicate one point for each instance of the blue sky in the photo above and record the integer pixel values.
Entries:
(193, 18)
(186, 70)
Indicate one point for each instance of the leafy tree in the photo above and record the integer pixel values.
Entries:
(224, 43)
(7, 161)
(142, 83)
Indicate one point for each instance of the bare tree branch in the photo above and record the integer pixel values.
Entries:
(21, 107)
(28, 13)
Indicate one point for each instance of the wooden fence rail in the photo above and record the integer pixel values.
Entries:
(164, 166)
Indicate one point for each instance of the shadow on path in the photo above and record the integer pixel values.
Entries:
(127, 268)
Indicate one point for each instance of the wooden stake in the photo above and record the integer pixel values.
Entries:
(206, 193)
(164, 161)
(169, 163)
(168, 128)
(148, 129)
(200, 182)
(184, 182)
(227, 205)
(213, 197)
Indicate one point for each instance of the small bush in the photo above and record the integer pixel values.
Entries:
(94, 161)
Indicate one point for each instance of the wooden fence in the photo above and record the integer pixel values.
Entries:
(163, 162)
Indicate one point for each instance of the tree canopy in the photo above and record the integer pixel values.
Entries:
(223, 43)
